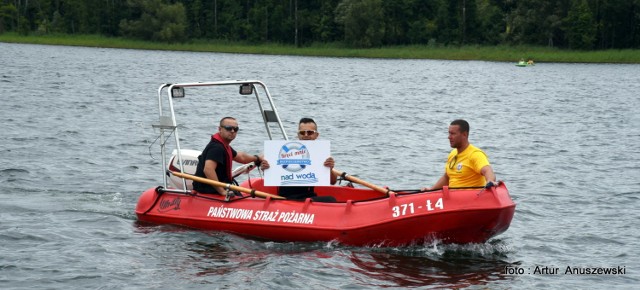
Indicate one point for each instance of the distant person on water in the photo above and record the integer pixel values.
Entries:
(530, 62)
(217, 158)
(307, 130)
(467, 165)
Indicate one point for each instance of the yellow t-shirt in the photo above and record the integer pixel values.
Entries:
(464, 168)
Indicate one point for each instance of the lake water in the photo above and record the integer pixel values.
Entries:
(75, 152)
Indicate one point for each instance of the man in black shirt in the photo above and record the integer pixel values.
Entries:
(217, 158)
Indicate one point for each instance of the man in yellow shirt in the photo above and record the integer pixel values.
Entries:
(467, 165)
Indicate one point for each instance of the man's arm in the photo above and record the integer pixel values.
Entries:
(442, 181)
(210, 172)
(488, 174)
(245, 158)
(331, 163)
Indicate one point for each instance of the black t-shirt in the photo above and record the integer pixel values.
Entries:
(296, 192)
(214, 151)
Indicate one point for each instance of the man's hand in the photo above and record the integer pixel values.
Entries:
(264, 165)
(491, 184)
(329, 162)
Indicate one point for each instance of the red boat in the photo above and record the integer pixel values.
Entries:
(361, 216)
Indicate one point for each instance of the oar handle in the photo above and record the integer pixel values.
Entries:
(225, 185)
(344, 175)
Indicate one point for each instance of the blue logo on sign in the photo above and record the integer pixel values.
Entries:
(293, 157)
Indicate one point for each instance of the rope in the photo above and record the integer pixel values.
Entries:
(155, 140)
(160, 192)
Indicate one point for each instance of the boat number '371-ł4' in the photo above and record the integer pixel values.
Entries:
(409, 208)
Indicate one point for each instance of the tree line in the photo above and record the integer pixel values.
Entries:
(573, 24)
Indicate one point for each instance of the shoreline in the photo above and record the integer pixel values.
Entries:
(471, 52)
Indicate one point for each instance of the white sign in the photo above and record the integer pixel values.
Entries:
(297, 163)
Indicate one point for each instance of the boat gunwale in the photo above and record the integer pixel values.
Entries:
(238, 198)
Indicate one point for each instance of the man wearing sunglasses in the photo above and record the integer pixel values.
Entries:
(307, 130)
(217, 158)
(467, 165)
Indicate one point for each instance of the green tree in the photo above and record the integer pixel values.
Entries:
(324, 27)
(584, 24)
(470, 23)
(491, 21)
(76, 15)
(536, 22)
(447, 21)
(618, 23)
(8, 17)
(257, 27)
(410, 21)
(363, 22)
(580, 26)
(158, 21)
(196, 19)
(281, 23)
(57, 22)
(229, 18)
(110, 14)
(395, 15)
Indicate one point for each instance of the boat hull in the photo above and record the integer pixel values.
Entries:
(361, 217)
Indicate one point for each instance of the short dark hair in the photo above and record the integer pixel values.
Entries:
(464, 125)
(307, 120)
(225, 118)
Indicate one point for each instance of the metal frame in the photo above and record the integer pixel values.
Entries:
(168, 124)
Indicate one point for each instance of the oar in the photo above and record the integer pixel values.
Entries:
(226, 185)
(361, 182)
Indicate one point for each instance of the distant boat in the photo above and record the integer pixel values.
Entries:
(523, 63)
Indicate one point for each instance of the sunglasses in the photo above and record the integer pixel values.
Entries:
(231, 128)
(306, 132)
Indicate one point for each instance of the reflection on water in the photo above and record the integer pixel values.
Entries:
(220, 257)
(450, 266)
